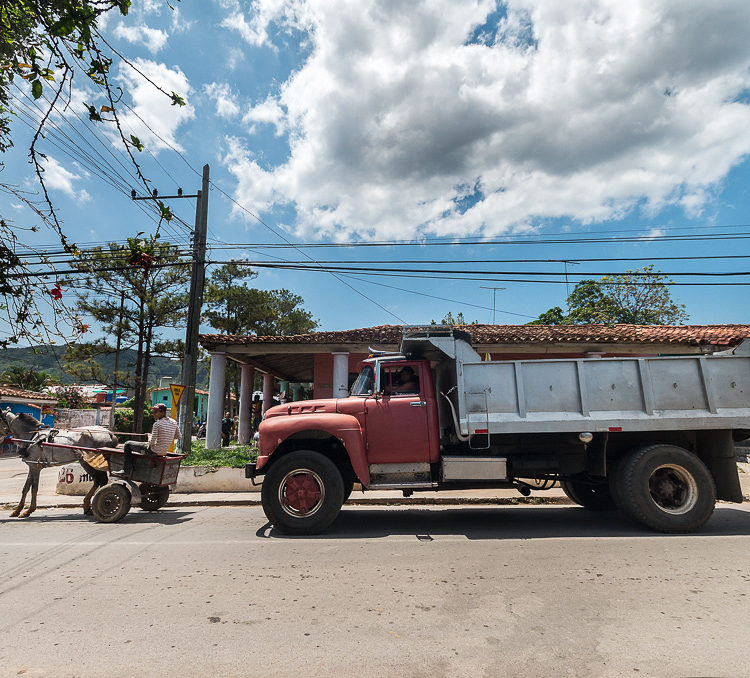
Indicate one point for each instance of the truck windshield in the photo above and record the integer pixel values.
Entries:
(365, 383)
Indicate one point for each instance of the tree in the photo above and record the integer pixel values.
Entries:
(27, 378)
(449, 320)
(639, 297)
(154, 281)
(45, 43)
(232, 307)
(71, 397)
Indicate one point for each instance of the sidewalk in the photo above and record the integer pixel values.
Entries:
(13, 474)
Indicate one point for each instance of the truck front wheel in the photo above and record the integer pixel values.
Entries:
(302, 493)
(666, 488)
(594, 497)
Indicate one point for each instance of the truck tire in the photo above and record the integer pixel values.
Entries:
(348, 487)
(666, 488)
(590, 496)
(302, 493)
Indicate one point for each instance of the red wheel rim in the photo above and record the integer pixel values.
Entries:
(301, 493)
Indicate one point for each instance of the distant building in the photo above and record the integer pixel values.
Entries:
(163, 394)
(38, 405)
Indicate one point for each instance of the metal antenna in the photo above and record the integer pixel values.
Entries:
(494, 291)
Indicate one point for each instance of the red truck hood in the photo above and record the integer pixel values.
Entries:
(341, 405)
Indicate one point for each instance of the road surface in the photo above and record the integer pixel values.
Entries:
(459, 591)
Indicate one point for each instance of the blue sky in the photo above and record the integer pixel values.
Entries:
(361, 122)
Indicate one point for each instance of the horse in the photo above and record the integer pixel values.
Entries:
(37, 456)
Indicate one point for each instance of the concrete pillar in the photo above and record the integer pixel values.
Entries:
(267, 392)
(340, 375)
(215, 400)
(246, 396)
(296, 392)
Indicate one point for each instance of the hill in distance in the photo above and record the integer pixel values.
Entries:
(49, 359)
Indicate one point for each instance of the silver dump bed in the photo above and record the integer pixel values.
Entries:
(595, 394)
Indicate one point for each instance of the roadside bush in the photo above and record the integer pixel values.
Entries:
(235, 457)
(124, 419)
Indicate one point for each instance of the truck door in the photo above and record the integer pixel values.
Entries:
(396, 421)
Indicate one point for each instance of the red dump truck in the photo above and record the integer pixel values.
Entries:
(653, 437)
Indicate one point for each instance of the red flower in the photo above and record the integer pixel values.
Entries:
(56, 292)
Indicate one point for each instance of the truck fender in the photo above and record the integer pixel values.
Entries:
(343, 427)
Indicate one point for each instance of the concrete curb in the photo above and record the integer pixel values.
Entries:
(73, 481)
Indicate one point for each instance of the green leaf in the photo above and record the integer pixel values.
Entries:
(164, 211)
(36, 88)
(93, 113)
(136, 142)
(177, 100)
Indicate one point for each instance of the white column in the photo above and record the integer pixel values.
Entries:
(215, 400)
(246, 396)
(340, 375)
(267, 392)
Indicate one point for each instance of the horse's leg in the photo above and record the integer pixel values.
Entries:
(34, 473)
(26, 487)
(100, 479)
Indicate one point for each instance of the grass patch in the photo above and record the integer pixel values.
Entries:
(235, 457)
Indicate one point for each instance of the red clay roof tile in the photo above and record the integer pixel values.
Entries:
(690, 335)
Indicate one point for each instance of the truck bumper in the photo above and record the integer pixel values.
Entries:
(251, 472)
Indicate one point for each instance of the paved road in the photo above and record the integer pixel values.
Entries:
(512, 591)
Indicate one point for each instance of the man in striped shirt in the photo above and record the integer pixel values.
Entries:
(165, 430)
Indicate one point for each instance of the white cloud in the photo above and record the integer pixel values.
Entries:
(268, 112)
(155, 121)
(289, 15)
(226, 100)
(179, 24)
(235, 56)
(151, 6)
(153, 39)
(425, 117)
(56, 177)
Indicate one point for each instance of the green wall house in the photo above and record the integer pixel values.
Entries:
(163, 394)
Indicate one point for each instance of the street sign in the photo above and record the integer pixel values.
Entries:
(177, 391)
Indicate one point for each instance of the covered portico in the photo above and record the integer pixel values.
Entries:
(331, 360)
(327, 360)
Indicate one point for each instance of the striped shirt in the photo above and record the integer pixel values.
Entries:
(164, 432)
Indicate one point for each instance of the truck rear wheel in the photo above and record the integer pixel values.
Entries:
(666, 488)
(594, 497)
(302, 493)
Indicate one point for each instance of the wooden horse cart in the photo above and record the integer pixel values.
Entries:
(153, 478)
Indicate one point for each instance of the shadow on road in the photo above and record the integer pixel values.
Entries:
(136, 516)
(506, 523)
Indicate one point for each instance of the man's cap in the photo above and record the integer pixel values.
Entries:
(160, 406)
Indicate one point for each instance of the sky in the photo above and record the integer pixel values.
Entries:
(466, 135)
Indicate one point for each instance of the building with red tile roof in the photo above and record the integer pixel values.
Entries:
(330, 359)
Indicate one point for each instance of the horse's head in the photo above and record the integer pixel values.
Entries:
(6, 416)
(21, 424)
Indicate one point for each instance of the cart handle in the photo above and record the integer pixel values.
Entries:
(72, 447)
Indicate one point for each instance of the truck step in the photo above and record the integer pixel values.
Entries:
(413, 485)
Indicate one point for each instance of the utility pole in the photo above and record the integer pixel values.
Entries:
(197, 279)
(494, 291)
(190, 357)
(117, 364)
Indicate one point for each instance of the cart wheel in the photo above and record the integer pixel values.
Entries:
(153, 497)
(111, 503)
